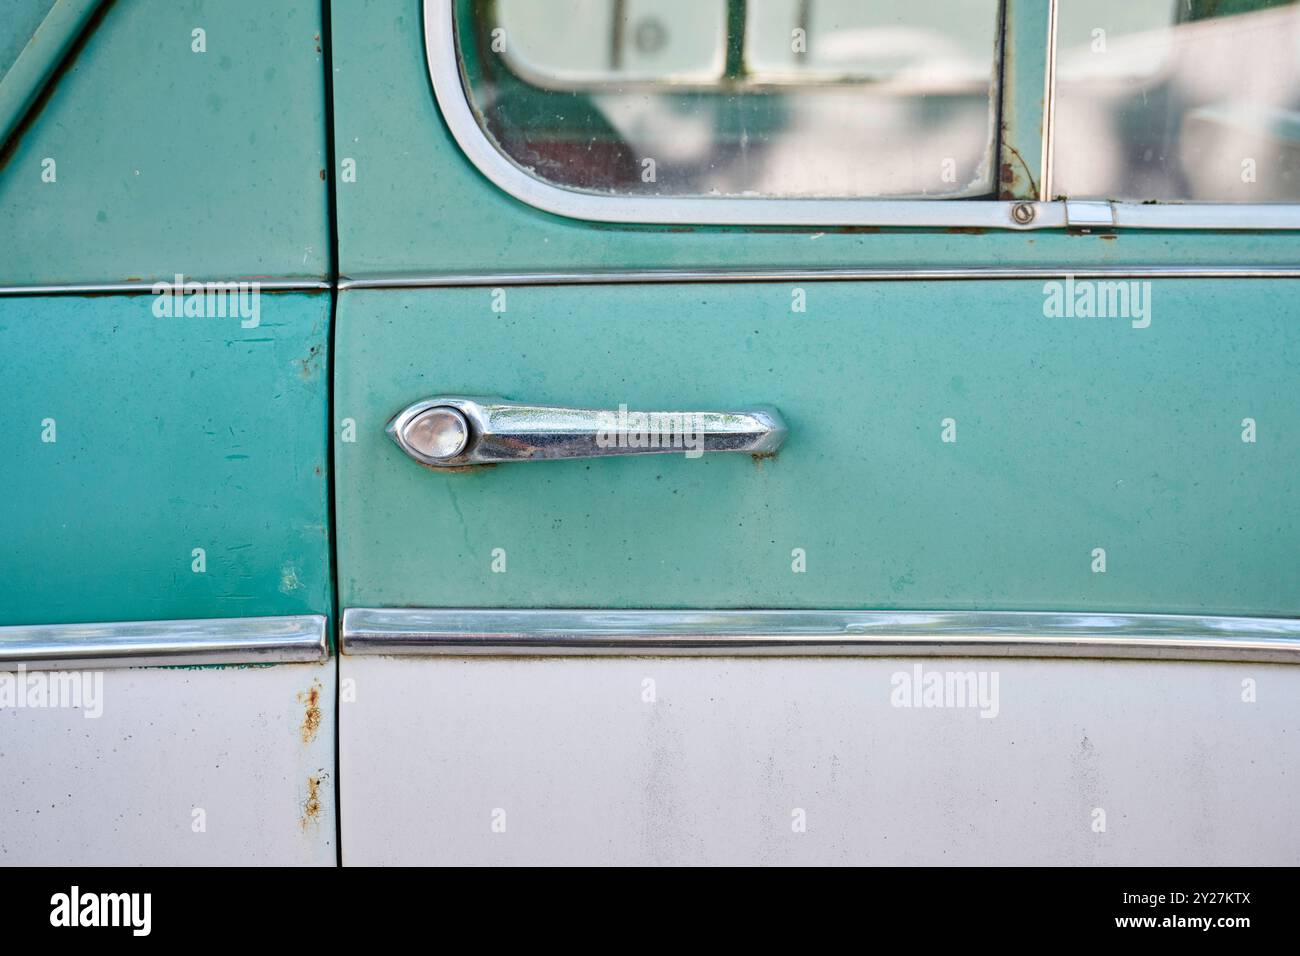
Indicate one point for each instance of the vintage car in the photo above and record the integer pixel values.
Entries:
(628, 432)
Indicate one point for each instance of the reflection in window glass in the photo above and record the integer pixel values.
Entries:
(788, 98)
(1178, 100)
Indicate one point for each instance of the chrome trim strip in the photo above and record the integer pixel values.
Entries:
(443, 61)
(1207, 215)
(639, 276)
(1087, 215)
(882, 274)
(231, 640)
(142, 286)
(472, 632)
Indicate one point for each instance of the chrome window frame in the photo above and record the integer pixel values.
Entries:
(444, 63)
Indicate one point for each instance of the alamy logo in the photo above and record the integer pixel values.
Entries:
(53, 689)
(75, 908)
(209, 300)
(1088, 298)
(624, 429)
(952, 689)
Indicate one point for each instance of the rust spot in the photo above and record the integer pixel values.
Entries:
(966, 230)
(311, 807)
(310, 699)
(322, 175)
(1011, 179)
(311, 363)
(477, 468)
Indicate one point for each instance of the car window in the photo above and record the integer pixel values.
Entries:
(775, 98)
(1177, 100)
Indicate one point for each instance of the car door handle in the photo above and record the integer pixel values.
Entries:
(456, 431)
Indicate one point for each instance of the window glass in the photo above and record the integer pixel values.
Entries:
(1177, 100)
(781, 98)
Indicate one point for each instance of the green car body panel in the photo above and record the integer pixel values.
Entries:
(208, 163)
(171, 433)
(22, 19)
(1072, 433)
(39, 33)
(865, 377)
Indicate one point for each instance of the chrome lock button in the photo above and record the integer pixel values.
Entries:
(437, 434)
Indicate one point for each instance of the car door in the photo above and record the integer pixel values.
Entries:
(992, 559)
(166, 683)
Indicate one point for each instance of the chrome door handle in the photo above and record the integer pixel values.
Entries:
(455, 431)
